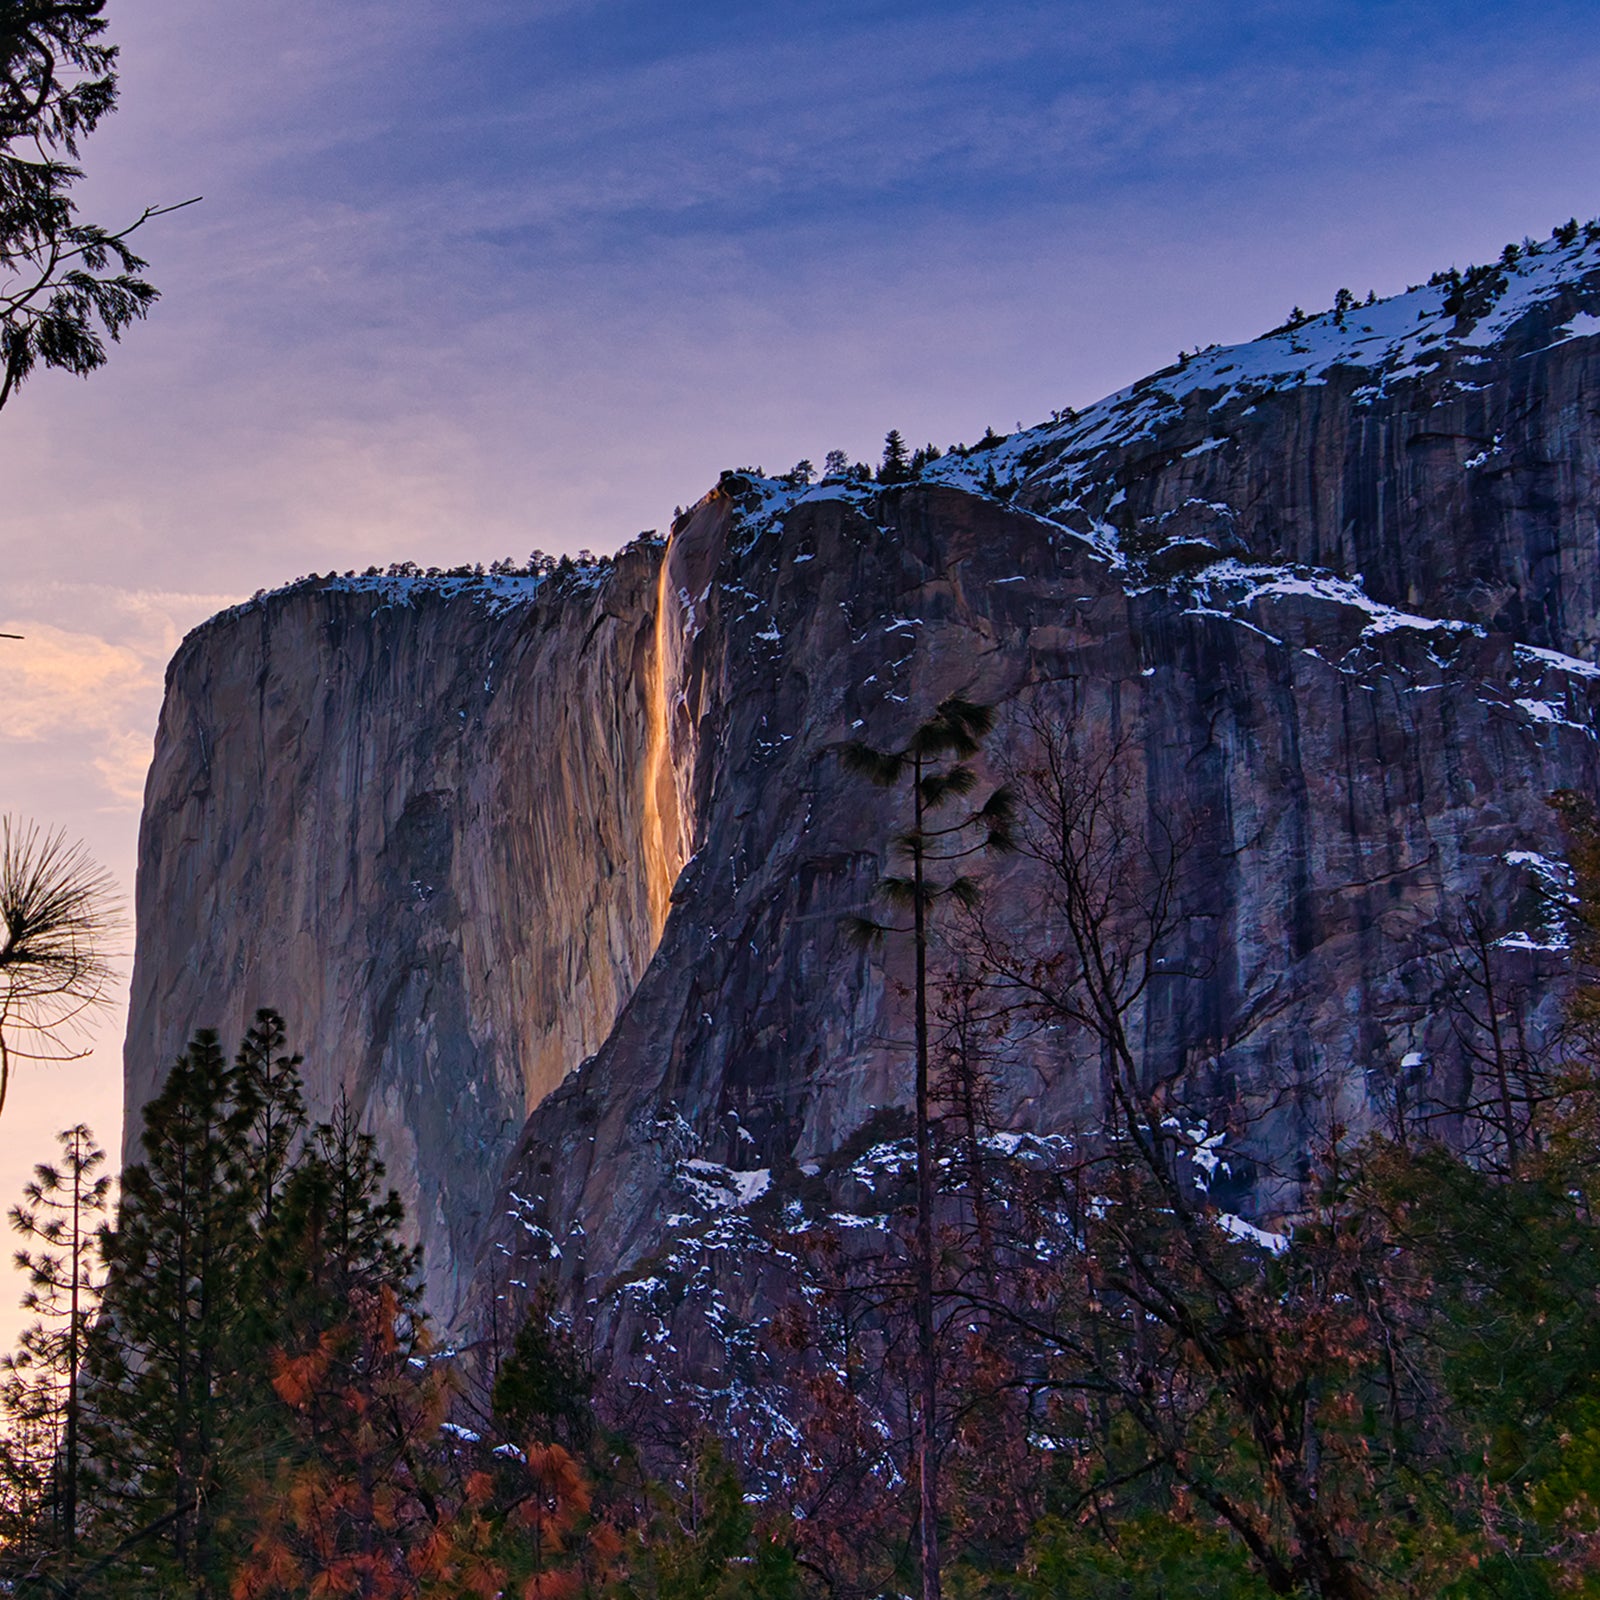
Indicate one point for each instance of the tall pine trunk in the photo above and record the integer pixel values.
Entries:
(927, 1350)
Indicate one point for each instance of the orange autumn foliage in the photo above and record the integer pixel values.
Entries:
(350, 1512)
(527, 1531)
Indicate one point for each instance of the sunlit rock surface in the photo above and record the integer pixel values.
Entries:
(410, 819)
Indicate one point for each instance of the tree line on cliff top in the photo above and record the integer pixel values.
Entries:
(1071, 1372)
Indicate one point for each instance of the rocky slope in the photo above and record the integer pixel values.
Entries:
(1337, 588)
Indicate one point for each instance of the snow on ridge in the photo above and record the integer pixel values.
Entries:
(498, 591)
(1228, 588)
(1552, 712)
(1574, 665)
(495, 588)
(1402, 336)
(764, 501)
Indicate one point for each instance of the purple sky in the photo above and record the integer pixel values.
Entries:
(474, 277)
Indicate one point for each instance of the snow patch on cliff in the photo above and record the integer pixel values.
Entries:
(1403, 337)
(1056, 471)
(719, 1188)
(1554, 883)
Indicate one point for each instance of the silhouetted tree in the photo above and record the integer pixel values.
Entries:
(933, 764)
(171, 1381)
(61, 1212)
(269, 1091)
(57, 910)
(65, 284)
(896, 466)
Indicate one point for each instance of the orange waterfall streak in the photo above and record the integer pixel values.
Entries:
(658, 852)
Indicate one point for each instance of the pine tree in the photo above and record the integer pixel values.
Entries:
(66, 283)
(261, 1334)
(56, 909)
(269, 1091)
(171, 1384)
(62, 1210)
(544, 1388)
(896, 466)
(933, 764)
(43, 1462)
(702, 1541)
(338, 1230)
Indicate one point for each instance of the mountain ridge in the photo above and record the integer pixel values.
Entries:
(1346, 636)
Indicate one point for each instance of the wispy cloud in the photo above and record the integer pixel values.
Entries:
(87, 696)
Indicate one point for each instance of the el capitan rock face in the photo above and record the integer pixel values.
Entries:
(1337, 588)
(353, 803)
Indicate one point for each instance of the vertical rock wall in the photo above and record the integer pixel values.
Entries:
(1347, 783)
(415, 824)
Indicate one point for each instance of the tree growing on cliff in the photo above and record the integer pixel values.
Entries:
(896, 465)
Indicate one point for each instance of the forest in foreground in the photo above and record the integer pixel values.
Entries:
(1058, 1366)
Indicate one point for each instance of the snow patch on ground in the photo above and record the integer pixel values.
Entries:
(1249, 1233)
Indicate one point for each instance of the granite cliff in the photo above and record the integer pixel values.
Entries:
(356, 796)
(550, 875)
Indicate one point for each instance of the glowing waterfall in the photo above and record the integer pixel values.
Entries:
(663, 854)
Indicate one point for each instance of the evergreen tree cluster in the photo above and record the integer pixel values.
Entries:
(242, 1240)
(1470, 291)
(230, 1390)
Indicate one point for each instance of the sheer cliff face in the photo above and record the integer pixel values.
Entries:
(1337, 589)
(412, 824)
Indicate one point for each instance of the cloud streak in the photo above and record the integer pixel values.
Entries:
(86, 699)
